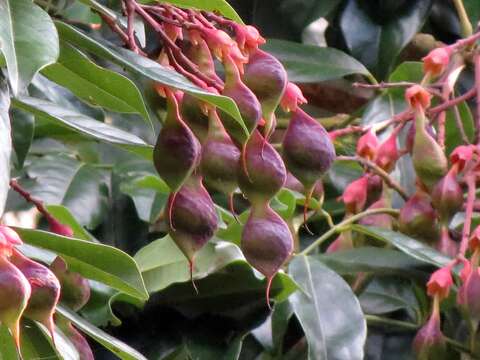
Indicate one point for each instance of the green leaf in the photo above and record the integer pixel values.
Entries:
(84, 125)
(94, 84)
(308, 63)
(473, 11)
(405, 244)
(147, 68)
(28, 40)
(22, 134)
(328, 311)
(370, 259)
(162, 263)
(377, 43)
(103, 263)
(120, 349)
(62, 180)
(5, 144)
(63, 214)
(219, 6)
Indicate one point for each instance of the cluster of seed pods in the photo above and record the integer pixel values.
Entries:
(27, 288)
(201, 144)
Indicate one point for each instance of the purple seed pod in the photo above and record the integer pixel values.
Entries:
(266, 242)
(447, 196)
(374, 188)
(263, 172)
(15, 292)
(200, 54)
(45, 290)
(307, 149)
(194, 218)
(418, 218)
(194, 116)
(247, 103)
(177, 151)
(220, 157)
(267, 78)
(76, 338)
(411, 135)
(75, 288)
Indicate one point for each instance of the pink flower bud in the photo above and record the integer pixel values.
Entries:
(173, 32)
(440, 283)
(60, 229)
(429, 343)
(367, 145)
(462, 155)
(8, 239)
(355, 195)
(417, 96)
(436, 61)
(387, 153)
(474, 241)
(468, 296)
(292, 97)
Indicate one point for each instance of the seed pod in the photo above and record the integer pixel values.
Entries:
(75, 288)
(265, 171)
(177, 151)
(247, 103)
(387, 153)
(418, 218)
(447, 196)
(307, 149)
(194, 219)
(15, 291)
(429, 343)
(374, 188)
(194, 116)
(45, 290)
(367, 145)
(200, 54)
(469, 293)
(266, 242)
(446, 245)
(267, 78)
(411, 135)
(220, 157)
(428, 158)
(355, 195)
(76, 338)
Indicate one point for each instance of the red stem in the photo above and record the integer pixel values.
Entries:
(477, 87)
(470, 180)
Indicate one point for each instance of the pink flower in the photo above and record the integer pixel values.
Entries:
(440, 283)
(387, 153)
(355, 195)
(367, 145)
(292, 97)
(436, 61)
(417, 96)
(462, 155)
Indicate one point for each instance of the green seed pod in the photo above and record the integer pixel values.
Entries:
(428, 158)
(418, 218)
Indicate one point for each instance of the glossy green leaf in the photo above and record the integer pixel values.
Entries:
(5, 144)
(473, 11)
(147, 68)
(219, 6)
(63, 214)
(103, 263)
(62, 180)
(409, 246)
(162, 263)
(377, 44)
(120, 349)
(370, 259)
(28, 40)
(94, 84)
(22, 134)
(328, 311)
(308, 63)
(84, 125)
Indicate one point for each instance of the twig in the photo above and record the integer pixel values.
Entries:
(459, 122)
(471, 188)
(379, 171)
(344, 223)
(477, 87)
(112, 24)
(130, 7)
